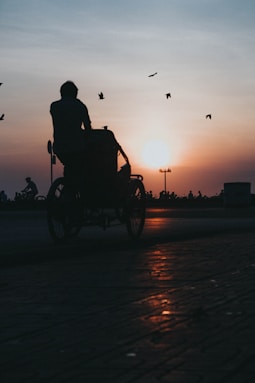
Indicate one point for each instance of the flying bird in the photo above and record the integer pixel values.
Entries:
(2, 117)
(168, 95)
(101, 96)
(1, 83)
(208, 116)
(153, 74)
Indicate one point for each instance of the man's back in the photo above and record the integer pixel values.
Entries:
(32, 187)
(68, 114)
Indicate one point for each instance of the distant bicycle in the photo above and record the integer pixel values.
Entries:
(107, 196)
(25, 196)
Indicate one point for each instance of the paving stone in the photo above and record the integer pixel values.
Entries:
(173, 312)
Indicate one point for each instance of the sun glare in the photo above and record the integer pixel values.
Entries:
(155, 154)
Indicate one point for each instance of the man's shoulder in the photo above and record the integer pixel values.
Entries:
(81, 103)
(70, 101)
(54, 104)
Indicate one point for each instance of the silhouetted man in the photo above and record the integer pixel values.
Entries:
(31, 188)
(70, 119)
(3, 196)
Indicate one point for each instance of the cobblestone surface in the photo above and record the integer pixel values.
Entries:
(179, 312)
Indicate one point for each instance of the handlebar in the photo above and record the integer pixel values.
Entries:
(123, 153)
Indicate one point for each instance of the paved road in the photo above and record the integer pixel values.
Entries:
(24, 235)
(164, 310)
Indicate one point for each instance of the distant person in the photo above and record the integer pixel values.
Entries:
(191, 195)
(31, 188)
(173, 196)
(70, 119)
(199, 195)
(149, 195)
(3, 196)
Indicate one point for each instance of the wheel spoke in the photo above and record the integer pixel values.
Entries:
(135, 209)
(61, 210)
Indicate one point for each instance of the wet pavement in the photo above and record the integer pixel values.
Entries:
(174, 311)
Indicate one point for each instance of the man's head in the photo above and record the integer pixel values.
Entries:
(68, 89)
(28, 179)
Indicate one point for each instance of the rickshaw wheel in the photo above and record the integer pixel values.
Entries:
(60, 221)
(135, 209)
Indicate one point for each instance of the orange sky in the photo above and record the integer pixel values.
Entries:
(203, 53)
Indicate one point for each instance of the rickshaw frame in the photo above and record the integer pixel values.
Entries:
(122, 200)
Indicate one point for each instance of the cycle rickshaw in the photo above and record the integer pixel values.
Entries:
(108, 194)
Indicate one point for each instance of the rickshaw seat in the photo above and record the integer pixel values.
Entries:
(101, 166)
(101, 153)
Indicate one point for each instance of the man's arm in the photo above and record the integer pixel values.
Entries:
(86, 119)
(25, 189)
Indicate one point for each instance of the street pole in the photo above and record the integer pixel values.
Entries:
(2, 116)
(52, 159)
(164, 171)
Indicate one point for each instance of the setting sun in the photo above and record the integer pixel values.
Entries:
(155, 154)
